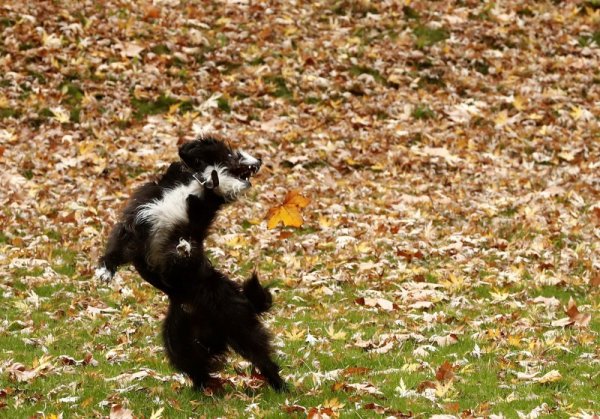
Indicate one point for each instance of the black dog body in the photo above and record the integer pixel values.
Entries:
(162, 234)
(199, 328)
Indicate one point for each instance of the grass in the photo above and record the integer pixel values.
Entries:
(322, 373)
(162, 104)
(438, 256)
(427, 36)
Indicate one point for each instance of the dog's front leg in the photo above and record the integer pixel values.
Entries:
(116, 254)
(202, 211)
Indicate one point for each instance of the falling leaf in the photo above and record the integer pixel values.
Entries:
(288, 213)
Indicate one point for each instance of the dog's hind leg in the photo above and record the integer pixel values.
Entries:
(254, 344)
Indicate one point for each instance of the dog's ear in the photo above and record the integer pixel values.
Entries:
(193, 154)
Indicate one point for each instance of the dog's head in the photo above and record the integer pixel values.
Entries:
(222, 168)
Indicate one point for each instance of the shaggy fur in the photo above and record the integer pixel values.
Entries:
(162, 232)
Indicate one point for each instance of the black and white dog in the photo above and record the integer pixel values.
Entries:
(162, 232)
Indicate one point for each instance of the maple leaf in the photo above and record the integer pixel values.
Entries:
(580, 319)
(445, 372)
(60, 114)
(335, 335)
(288, 213)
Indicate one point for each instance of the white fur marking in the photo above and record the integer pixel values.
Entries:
(164, 214)
(247, 159)
(229, 187)
(103, 274)
(184, 248)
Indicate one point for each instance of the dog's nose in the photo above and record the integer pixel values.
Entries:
(256, 167)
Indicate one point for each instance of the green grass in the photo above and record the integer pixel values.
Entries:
(480, 382)
(145, 107)
(422, 112)
(427, 36)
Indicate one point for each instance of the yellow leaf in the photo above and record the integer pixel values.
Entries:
(294, 198)
(576, 112)
(550, 377)
(333, 404)
(295, 334)
(514, 340)
(501, 119)
(61, 115)
(86, 147)
(157, 414)
(174, 108)
(519, 103)
(289, 212)
(288, 215)
(335, 335)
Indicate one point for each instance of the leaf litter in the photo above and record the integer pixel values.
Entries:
(450, 152)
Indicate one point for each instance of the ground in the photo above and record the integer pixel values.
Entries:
(447, 262)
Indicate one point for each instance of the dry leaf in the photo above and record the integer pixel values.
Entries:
(550, 377)
(288, 213)
(376, 302)
(445, 372)
(579, 319)
(119, 412)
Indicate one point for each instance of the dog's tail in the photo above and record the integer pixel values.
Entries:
(260, 297)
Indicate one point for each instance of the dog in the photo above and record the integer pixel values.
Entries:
(162, 232)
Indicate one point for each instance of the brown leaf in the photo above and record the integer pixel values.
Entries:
(595, 281)
(445, 372)
(425, 385)
(356, 371)
(152, 12)
(119, 412)
(293, 408)
(580, 319)
(382, 410)
(452, 407)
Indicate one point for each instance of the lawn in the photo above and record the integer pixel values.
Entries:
(447, 261)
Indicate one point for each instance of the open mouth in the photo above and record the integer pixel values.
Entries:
(245, 172)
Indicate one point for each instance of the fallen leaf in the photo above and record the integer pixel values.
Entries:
(356, 371)
(445, 372)
(119, 412)
(580, 319)
(550, 377)
(376, 302)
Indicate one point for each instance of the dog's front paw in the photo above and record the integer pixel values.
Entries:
(213, 182)
(184, 248)
(102, 273)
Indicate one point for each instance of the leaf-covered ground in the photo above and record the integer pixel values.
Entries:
(448, 262)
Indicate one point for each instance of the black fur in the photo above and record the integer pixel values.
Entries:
(208, 313)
